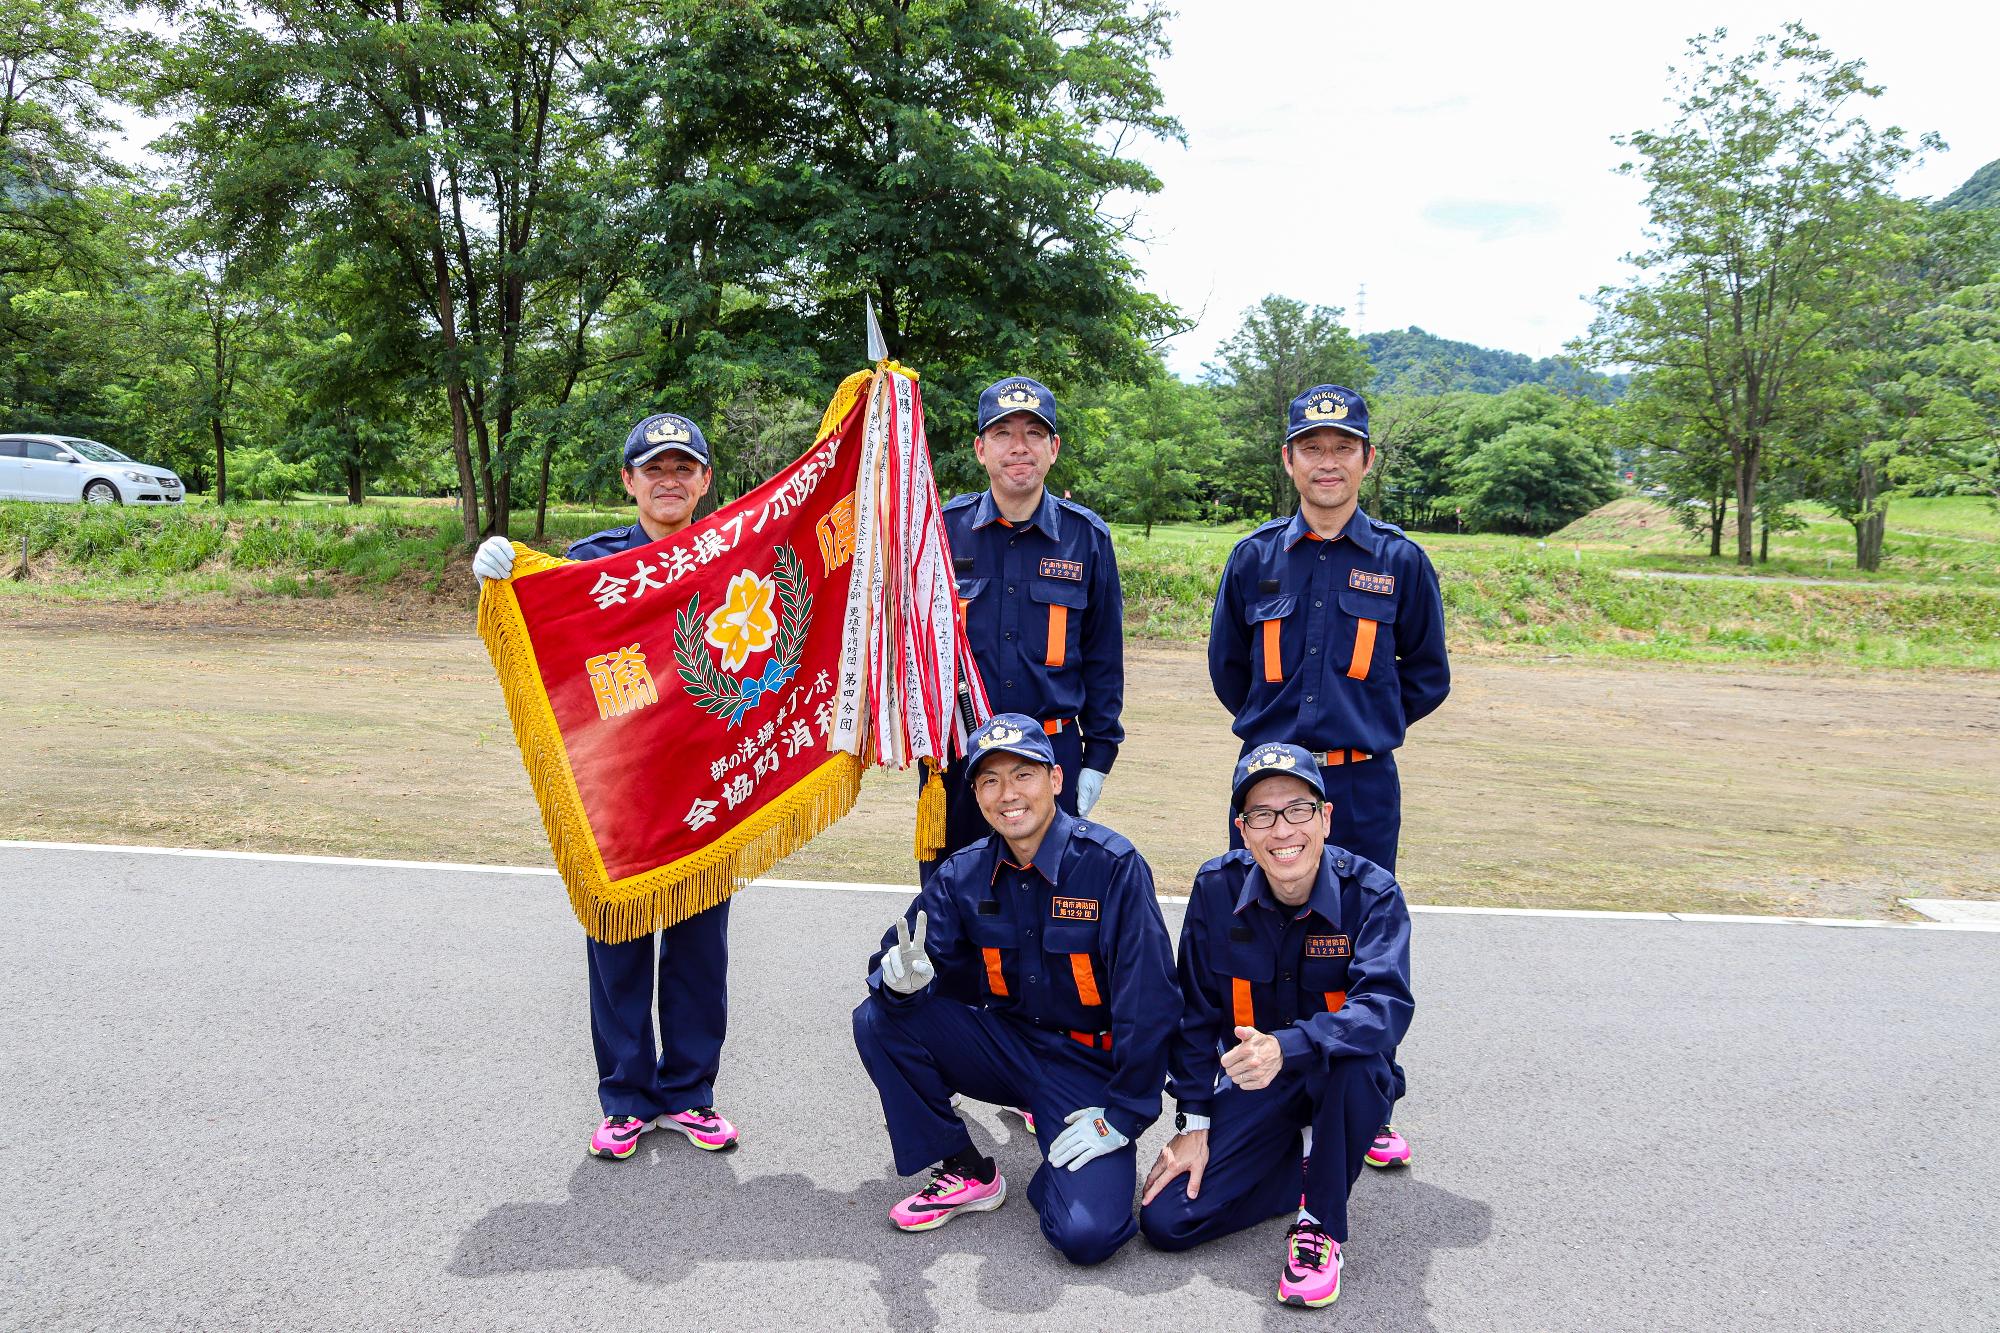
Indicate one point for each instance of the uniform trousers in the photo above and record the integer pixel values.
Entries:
(920, 1054)
(1254, 1155)
(685, 969)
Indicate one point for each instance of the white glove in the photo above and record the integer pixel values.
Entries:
(1089, 786)
(906, 968)
(1089, 1137)
(494, 559)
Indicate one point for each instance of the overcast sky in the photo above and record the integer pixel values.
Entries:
(1457, 158)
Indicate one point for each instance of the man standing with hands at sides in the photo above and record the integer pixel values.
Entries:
(666, 472)
(1295, 986)
(1033, 970)
(1038, 585)
(1329, 633)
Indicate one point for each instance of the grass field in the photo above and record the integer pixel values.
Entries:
(1623, 583)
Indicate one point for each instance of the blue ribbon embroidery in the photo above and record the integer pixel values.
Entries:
(775, 678)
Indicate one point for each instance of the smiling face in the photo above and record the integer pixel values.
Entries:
(1017, 450)
(1327, 465)
(1287, 853)
(1018, 798)
(667, 487)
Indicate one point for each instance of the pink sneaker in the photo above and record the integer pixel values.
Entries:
(1312, 1267)
(1027, 1117)
(1389, 1149)
(948, 1195)
(703, 1127)
(618, 1136)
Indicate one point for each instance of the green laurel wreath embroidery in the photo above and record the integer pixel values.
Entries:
(731, 697)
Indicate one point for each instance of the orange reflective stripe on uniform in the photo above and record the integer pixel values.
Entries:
(1058, 634)
(1052, 727)
(996, 981)
(1239, 996)
(1364, 650)
(1274, 657)
(1334, 999)
(1086, 978)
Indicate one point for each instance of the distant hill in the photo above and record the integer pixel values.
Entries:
(1413, 361)
(1981, 191)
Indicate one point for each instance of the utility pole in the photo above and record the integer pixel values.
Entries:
(1360, 307)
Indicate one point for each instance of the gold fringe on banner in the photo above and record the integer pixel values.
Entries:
(931, 815)
(655, 899)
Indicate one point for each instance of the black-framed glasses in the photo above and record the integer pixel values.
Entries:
(1298, 812)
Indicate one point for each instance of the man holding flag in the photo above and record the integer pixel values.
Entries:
(684, 968)
(1033, 970)
(1043, 611)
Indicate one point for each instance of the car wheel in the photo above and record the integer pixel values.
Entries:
(100, 493)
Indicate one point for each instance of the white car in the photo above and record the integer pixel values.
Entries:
(68, 469)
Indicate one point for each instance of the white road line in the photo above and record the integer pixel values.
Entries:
(840, 886)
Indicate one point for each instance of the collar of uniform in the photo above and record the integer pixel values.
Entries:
(1048, 856)
(1047, 515)
(1324, 898)
(1358, 530)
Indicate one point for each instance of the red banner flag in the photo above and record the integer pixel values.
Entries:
(692, 711)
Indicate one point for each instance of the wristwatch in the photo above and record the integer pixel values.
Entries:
(1183, 1122)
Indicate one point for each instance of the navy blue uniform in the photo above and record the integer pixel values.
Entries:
(1054, 992)
(1331, 981)
(1046, 621)
(686, 967)
(1336, 646)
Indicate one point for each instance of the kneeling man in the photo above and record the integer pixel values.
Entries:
(1295, 985)
(1034, 970)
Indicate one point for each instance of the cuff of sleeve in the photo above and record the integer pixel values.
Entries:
(1122, 1120)
(1293, 1044)
(1204, 1109)
(892, 996)
(1100, 755)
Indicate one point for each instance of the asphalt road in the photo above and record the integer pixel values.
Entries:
(245, 1094)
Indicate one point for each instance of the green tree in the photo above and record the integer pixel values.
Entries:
(1533, 478)
(1692, 468)
(1949, 391)
(1761, 197)
(425, 138)
(63, 258)
(1148, 453)
(1282, 348)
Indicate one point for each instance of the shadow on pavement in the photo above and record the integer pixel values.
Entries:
(660, 1217)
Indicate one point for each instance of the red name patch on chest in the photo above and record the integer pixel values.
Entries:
(1327, 946)
(1369, 582)
(1063, 569)
(1073, 909)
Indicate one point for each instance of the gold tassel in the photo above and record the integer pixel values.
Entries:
(930, 815)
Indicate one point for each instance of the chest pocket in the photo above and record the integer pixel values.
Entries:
(1060, 599)
(968, 590)
(1326, 978)
(1369, 611)
(1269, 615)
(1079, 942)
(1250, 964)
(993, 936)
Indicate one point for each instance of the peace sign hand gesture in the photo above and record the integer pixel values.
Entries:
(906, 968)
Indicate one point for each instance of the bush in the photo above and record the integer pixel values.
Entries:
(259, 474)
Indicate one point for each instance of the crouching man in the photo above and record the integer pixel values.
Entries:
(1033, 970)
(1295, 986)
